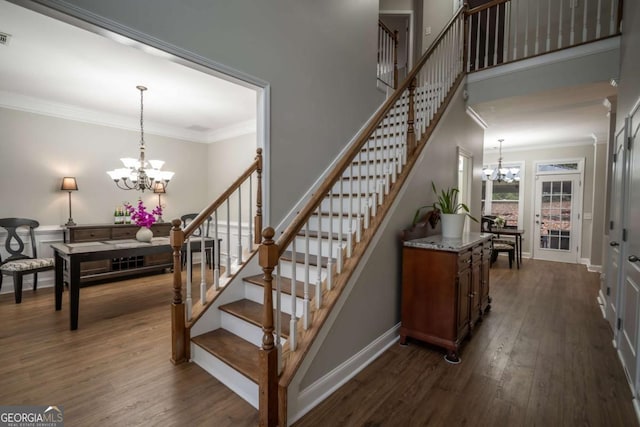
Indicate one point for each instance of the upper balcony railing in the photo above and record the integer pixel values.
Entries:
(504, 31)
(387, 56)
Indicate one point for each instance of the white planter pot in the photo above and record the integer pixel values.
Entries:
(452, 225)
(144, 235)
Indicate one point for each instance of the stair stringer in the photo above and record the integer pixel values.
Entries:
(300, 401)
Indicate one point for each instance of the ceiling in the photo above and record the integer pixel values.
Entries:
(54, 68)
(561, 117)
(50, 67)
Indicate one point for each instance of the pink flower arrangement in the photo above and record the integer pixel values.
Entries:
(140, 216)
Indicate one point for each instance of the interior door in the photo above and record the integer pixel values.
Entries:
(630, 292)
(614, 256)
(557, 215)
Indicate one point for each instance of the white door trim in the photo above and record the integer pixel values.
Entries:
(578, 199)
(409, 13)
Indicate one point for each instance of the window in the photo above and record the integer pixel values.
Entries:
(504, 199)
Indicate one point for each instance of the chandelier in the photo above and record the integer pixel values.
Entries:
(501, 174)
(140, 174)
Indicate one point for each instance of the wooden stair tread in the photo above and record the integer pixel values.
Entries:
(251, 311)
(241, 355)
(285, 285)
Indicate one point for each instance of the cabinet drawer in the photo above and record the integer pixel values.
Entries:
(158, 259)
(161, 230)
(90, 235)
(464, 260)
(124, 232)
(94, 267)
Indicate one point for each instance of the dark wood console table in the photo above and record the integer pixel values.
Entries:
(445, 289)
(77, 255)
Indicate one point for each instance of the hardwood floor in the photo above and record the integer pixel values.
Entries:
(543, 356)
(115, 369)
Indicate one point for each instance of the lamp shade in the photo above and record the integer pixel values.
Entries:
(69, 184)
(158, 187)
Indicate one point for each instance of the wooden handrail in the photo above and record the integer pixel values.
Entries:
(298, 222)
(271, 252)
(177, 238)
(387, 30)
(206, 212)
(485, 6)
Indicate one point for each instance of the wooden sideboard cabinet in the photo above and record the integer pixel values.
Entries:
(118, 268)
(445, 289)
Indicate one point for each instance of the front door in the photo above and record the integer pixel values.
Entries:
(557, 216)
(630, 292)
(615, 231)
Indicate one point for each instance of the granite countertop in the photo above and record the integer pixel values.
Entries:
(437, 242)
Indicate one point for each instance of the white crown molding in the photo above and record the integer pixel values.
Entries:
(30, 104)
(238, 129)
(609, 44)
(536, 146)
(476, 117)
(34, 105)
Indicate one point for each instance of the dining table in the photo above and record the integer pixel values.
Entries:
(515, 232)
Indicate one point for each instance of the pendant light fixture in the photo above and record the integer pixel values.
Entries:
(140, 174)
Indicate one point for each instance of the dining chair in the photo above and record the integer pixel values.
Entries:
(23, 258)
(204, 228)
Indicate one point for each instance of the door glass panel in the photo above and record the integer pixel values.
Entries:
(555, 215)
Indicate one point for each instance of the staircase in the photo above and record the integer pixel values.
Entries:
(253, 328)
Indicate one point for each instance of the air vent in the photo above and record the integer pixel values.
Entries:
(4, 38)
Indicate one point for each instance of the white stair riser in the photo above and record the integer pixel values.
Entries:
(245, 330)
(360, 185)
(256, 293)
(315, 222)
(378, 168)
(324, 207)
(385, 153)
(238, 383)
(286, 271)
(324, 244)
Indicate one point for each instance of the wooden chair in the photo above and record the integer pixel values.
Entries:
(204, 228)
(19, 262)
(498, 245)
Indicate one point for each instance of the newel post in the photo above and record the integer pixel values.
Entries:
(411, 135)
(178, 333)
(268, 354)
(257, 225)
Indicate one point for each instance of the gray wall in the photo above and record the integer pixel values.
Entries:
(227, 160)
(373, 306)
(629, 87)
(37, 151)
(318, 56)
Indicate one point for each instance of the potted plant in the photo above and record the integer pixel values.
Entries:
(452, 213)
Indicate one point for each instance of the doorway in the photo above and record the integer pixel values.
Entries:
(558, 212)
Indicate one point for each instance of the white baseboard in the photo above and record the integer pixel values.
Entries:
(590, 267)
(601, 303)
(325, 386)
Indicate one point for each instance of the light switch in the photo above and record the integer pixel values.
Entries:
(427, 31)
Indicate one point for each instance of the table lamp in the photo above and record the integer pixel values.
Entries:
(69, 184)
(159, 189)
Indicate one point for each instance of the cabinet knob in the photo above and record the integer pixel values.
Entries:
(614, 244)
(633, 258)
